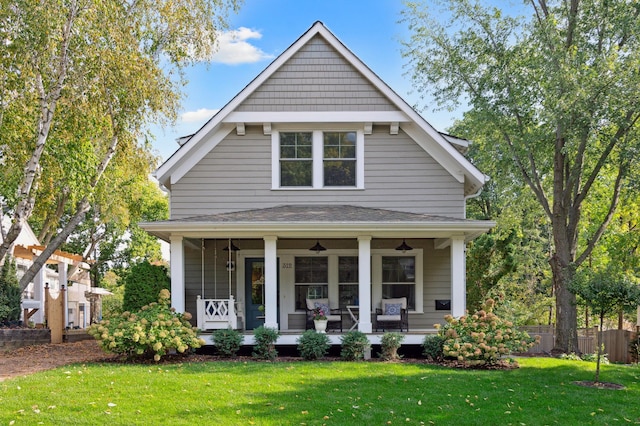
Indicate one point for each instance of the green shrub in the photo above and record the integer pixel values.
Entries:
(142, 285)
(433, 347)
(482, 337)
(10, 294)
(227, 342)
(154, 330)
(265, 343)
(354, 346)
(313, 345)
(389, 344)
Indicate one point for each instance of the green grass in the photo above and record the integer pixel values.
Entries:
(316, 393)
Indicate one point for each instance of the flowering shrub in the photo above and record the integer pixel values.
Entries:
(482, 337)
(154, 329)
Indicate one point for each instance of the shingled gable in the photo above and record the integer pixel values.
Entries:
(230, 118)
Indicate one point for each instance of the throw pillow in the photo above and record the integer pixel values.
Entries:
(392, 308)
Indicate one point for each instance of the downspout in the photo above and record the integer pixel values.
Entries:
(477, 194)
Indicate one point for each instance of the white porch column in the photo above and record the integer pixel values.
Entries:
(458, 277)
(62, 278)
(364, 283)
(177, 273)
(38, 294)
(270, 282)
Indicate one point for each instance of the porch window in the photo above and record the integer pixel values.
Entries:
(311, 279)
(296, 159)
(399, 278)
(339, 158)
(348, 280)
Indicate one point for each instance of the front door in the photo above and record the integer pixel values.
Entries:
(254, 291)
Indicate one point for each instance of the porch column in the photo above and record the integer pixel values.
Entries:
(177, 273)
(38, 294)
(458, 277)
(364, 284)
(270, 282)
(62, 279)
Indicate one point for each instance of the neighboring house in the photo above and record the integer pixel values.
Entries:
(62, 268)
(331, 186)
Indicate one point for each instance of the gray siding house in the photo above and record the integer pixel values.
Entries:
(317, 181)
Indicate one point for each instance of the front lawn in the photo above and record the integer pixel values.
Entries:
(316, 393)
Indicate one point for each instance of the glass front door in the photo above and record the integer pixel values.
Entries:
(254, 291)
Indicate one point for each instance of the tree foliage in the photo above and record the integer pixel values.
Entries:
(10, 294)
(557, 92)
(142, 284)
(79, 82)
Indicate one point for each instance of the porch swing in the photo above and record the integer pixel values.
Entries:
(216, 314)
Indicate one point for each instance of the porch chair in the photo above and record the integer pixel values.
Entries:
(334, 316)
(392, 314)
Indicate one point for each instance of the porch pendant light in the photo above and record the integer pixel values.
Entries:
(318, 247)
(233, 247)
(404, 247)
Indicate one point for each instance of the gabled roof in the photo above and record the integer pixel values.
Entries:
(222, 123)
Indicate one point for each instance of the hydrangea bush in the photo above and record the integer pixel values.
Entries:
(154, 330)
(482, 337)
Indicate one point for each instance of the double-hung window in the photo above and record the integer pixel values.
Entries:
(399, 278)
(311, 279)
(339, 158)
(318, 159)
(296, 160)
(348, 280)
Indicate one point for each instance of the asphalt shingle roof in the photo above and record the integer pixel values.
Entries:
(316, 213)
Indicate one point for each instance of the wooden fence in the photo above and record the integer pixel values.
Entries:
(616, 342)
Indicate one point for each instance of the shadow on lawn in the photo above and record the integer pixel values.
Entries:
(335, 392)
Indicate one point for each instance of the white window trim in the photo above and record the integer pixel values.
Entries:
(317, 159)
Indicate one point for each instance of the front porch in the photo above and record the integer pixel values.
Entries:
(261, 267)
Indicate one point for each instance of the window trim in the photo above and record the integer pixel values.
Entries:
(317, 151)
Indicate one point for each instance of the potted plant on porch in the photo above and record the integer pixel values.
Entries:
(320, 319)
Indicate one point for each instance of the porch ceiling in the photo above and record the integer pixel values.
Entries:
(312, 221)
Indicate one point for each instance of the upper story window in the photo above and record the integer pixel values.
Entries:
(318, 159)
(296, 160)
(339, 159)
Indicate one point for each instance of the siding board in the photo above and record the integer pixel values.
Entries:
(236, 175)
(316, 78)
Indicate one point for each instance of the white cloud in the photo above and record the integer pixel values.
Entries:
(234, 49)
(198, 116)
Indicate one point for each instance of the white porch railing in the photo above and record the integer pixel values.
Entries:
(215, 314)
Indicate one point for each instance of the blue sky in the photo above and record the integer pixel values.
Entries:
(263, 29)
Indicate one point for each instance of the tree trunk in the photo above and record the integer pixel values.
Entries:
(566, 339)
(597, 378)
(38, 263)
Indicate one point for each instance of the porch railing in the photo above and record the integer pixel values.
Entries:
(216, 314)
